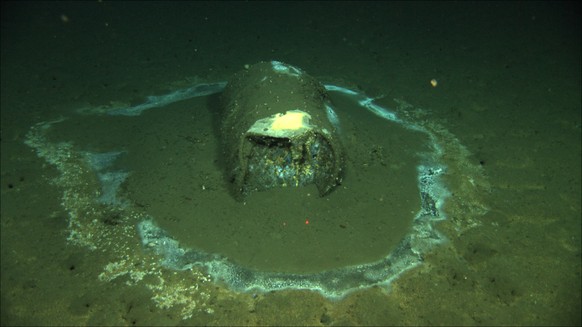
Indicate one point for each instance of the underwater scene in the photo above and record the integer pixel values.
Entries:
(290, 163)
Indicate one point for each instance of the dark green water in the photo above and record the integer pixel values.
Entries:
(509, 90)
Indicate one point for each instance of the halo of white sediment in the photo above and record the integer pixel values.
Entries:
(90, 183)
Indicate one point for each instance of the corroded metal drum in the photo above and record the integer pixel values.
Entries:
(277, 132)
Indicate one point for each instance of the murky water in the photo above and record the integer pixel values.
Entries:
(504, 112)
